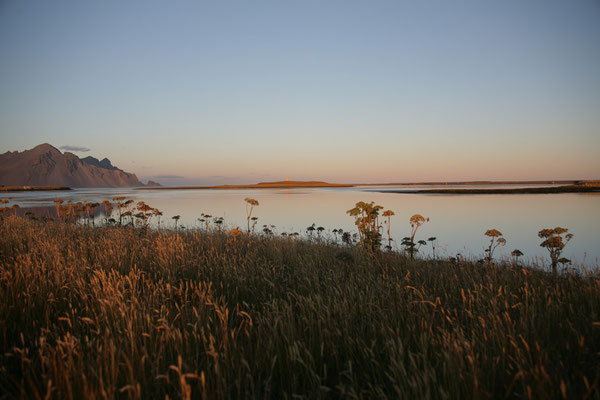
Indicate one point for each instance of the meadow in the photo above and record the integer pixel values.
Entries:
(129, 312)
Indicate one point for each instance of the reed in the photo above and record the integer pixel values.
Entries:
(112, 311)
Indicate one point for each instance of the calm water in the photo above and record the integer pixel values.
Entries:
(458, 221)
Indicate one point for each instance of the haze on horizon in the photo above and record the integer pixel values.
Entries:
(344, 91)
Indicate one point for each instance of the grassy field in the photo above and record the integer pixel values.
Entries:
(114, 312)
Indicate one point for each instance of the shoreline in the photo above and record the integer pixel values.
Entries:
(319, 184)
(570, 186)
(7, 189)
(478, 183)
(530, 190)
(262, 185)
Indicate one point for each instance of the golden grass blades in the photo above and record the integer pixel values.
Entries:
(115, 312)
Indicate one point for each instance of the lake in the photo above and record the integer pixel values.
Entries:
(458, 221)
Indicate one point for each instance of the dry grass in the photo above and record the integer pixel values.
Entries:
(119, 312)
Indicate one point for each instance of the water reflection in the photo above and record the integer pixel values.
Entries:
(458, 221)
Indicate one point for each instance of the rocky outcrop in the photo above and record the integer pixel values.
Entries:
(46, 165)
(105, 163)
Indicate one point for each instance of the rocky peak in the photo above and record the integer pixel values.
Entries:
(105, 163)
(45, 148)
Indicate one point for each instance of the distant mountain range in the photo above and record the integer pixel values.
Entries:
(46, 165)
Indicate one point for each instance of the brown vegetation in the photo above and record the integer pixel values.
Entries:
(111, 312)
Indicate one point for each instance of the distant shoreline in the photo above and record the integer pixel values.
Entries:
(262, 185)
(530, 190)
(570, 185)
(479, 183)
(32, 188)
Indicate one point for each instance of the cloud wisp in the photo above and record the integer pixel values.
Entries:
(75, 148)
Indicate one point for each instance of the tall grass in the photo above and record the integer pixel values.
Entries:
(114, 312)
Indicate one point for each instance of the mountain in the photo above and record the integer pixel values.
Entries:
(46, 165)
(105, 163)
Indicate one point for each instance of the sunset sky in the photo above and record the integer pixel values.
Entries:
(344, 91)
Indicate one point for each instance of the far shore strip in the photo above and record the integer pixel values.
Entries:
(32, 188)
(262, 185)
(567, 187)
(570, 187)
(529, 190)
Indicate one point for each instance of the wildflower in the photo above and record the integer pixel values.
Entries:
(409, 242)
(555, 244)
(495, 241)
(250, 204)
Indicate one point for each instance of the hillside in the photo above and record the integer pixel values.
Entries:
(46, 165)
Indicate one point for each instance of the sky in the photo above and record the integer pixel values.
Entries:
(198, 92)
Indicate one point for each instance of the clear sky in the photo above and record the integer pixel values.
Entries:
(205, 92)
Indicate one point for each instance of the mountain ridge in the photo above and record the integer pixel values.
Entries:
(46, 165)
(104, 163)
